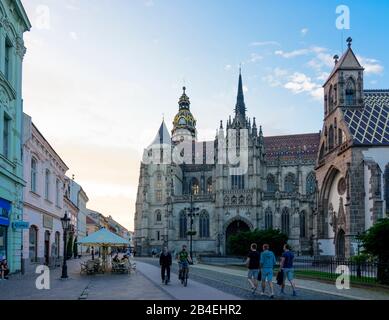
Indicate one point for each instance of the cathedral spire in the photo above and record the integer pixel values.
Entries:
(240, 108)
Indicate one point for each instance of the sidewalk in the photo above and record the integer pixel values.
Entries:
(194, 290)
(352, 293)
(82, 287)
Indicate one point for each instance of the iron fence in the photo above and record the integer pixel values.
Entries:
(331, 268)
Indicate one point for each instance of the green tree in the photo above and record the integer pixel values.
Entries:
(239, 244)
(375, 241)
(75, 248)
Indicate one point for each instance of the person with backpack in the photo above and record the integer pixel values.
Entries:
(286, 265)
(267, 261)
(252, 264)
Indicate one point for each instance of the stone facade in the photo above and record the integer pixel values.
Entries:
(13, 23)
(353, 157)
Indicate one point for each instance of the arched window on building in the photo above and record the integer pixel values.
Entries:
(331, 137)
(310, 184)
(285, 221)
(350, 92)
(158, 216)
(302, 224)
(209, 186)
(195, 186)
(34, 170)
(268, 218)
(270, 183)
(290, 183)
(386, 184)
(183, 225)
(204, 225)
(33, 243)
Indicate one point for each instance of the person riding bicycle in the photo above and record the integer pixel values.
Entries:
(183, 260)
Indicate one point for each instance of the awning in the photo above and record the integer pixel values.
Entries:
(103, 237)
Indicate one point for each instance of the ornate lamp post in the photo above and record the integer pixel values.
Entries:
(191, 212)
(65, 226)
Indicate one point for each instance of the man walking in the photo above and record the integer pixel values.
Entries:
(268, 260)
(165, 261)
(252, 264)
(286, 266)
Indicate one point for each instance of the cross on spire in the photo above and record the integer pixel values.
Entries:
(349, 41)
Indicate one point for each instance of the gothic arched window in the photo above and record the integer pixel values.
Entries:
(209, 185)
(183, 225)
(331, 99)
(204, 225)
(350, 92)
(302, 225)
(158, 216)
(310, 183)
(195, 186)
(290, 183)
(331, 137)
(270, 183)
(285, 221)
(268, 219)
(386, 183)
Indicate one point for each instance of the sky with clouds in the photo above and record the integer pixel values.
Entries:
(100, 75)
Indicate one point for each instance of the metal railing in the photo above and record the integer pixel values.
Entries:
(331, 268)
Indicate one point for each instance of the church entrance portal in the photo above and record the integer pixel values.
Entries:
(234, 228)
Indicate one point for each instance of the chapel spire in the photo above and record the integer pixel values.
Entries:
(240, 108)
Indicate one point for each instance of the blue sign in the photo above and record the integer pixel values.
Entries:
(20, 225)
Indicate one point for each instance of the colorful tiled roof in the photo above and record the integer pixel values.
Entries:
(292, 147)
(370, 125)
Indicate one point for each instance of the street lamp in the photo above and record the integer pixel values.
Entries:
(65, 226)
(191, 212)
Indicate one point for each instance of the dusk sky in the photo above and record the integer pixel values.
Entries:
(99, 75)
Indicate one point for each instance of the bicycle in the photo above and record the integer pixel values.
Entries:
(184, 273)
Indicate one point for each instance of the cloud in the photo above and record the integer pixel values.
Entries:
(276, 77)
(372, 66)
(264, 43)
(296, 82)
(227, 67)
(304, 31)
(300, 82)
(292, 54)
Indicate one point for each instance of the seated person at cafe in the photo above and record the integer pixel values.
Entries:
(4, 270)
(116, 258)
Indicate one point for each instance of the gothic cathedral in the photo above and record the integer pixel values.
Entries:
(321, 189)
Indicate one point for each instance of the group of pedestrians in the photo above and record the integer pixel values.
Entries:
(261, 266)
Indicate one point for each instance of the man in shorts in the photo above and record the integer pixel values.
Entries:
(268, 260)
(286, 266)
(252, 264)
